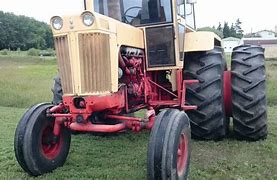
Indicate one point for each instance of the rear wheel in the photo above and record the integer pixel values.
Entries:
(226, 109)
(249, 92)
(169, 146)
(37, 150)
(208, 121)
(57, 91)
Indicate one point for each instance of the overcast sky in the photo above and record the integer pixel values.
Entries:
(254, 14)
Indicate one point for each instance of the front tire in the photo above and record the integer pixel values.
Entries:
(36, 149)
(169, 146)
(249, 93)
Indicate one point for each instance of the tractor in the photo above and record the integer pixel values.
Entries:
(118, 57)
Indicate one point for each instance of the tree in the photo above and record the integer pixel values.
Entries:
(226, 30)
(238, 28)
(219, 27)
(219, 33)
(21, 32)
(233, 32)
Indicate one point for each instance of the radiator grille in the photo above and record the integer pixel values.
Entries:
(62, 50)
(95, 65)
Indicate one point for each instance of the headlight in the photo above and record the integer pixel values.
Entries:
(88, 18)
(57, 22)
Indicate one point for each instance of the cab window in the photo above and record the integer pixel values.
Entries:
(181, 7)
(190, 14)
(136, 12)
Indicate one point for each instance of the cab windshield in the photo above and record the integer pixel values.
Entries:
(136, 12)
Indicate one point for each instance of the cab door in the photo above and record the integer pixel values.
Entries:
(158, 20)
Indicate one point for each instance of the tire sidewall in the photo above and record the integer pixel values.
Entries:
(156, 139)
(19, 135)
(161, 139)
(180, 126)
(163, 145)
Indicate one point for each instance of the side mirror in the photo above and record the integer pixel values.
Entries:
(191, 1)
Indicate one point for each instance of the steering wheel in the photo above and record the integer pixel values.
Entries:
(125, 16)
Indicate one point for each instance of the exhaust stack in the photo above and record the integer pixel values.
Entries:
(88, 5)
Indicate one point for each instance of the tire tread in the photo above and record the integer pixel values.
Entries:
(249, 93)
(208, 121)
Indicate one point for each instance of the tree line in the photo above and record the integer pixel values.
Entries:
(23, 33)
(225, 31)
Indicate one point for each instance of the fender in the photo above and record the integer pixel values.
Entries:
(201, 41)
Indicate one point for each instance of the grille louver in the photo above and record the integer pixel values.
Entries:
(63, 56)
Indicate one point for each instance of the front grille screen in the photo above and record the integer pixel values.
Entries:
(95, 65)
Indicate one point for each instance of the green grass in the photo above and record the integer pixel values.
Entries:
(31, 52)
(124, 156)
(27, 81)
(13, 53)
(272, 82)
(90, 156)
(228, 60)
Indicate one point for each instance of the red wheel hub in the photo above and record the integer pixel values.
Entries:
(182, 154)
(49, 146)
(228, 93)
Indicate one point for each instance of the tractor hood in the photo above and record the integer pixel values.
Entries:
(87, 45)
(101, 23)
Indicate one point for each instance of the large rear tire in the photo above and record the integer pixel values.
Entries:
(249, 92)
(36, 149)
(208, 122)
(169, 146)
(57, 91)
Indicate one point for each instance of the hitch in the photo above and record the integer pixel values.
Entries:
(183, 96)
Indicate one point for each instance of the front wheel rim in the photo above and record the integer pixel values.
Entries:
(182, 153)
(50, 146)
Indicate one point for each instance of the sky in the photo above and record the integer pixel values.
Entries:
(255, 15)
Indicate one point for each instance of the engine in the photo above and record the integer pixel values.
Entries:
(131, 74)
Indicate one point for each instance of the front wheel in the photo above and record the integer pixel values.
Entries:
(37, 150)
(169, 146)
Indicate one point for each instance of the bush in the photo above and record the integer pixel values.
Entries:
(4, 52)
(48, 52)
(33, 52)
(52, 51)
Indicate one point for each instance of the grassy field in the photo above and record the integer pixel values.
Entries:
(28, 81)
(25, 80)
